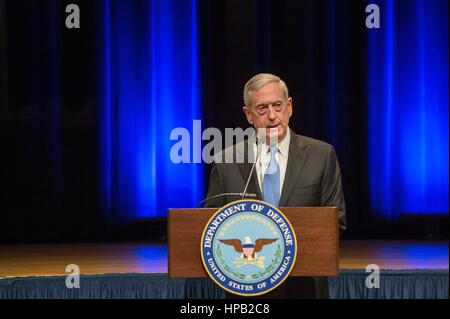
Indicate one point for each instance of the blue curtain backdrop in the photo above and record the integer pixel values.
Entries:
(150, 74)
(86, 114)
(407, 87)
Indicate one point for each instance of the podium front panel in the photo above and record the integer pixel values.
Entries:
(316, 229)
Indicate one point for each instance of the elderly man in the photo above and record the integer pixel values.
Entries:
(303, 171)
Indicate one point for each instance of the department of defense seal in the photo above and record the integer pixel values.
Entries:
(248, 247)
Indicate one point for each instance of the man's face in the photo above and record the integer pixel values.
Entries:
(269, 111)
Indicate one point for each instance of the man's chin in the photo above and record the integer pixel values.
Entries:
(275, 137)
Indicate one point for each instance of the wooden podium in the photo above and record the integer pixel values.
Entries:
(316, 229)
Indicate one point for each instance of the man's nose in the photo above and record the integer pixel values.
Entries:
(271, 113)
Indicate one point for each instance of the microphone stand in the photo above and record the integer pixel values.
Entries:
(253, 168)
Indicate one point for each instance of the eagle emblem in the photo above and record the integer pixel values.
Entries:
(248, 249)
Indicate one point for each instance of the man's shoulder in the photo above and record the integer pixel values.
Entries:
(311, 144)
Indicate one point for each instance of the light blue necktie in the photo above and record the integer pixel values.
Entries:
(271, 185)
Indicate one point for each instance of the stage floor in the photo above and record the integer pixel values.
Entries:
(95, 258)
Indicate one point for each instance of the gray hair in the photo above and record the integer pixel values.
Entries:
(258, 81)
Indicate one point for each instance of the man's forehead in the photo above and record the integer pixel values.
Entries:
(268, 93)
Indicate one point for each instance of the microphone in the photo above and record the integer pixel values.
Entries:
(226, 194)
(253, 168)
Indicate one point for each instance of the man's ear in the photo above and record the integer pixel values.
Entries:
(290, 106)
(248, 114)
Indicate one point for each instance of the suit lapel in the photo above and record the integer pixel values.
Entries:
(296, 162)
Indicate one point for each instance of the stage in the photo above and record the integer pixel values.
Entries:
(139, 270)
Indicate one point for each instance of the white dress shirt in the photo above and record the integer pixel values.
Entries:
(264, 159)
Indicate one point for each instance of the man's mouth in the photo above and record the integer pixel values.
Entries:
(273, 126)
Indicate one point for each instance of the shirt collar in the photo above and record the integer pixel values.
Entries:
(283, 146)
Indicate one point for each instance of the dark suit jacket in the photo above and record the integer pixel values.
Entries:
(312, 178)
